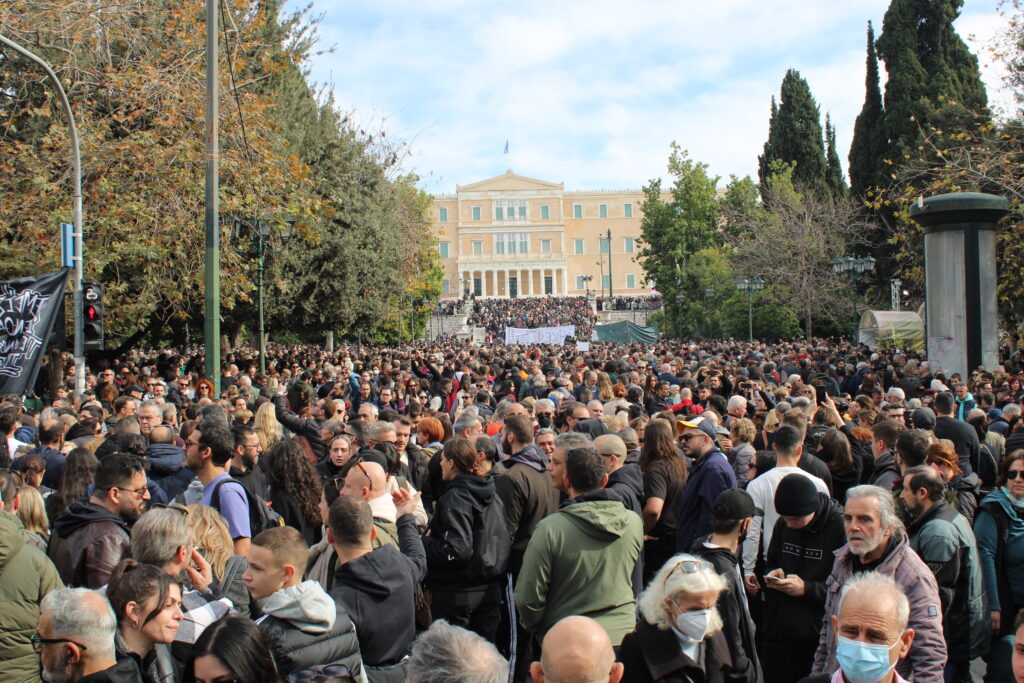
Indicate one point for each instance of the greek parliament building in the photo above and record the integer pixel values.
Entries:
(512, 236)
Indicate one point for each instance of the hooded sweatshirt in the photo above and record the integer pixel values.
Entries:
(87, 543)
(26, 576)
(525, 489)
(167, 468)
(306, 628)
(469, 543)
(580, 561)
(378, 591)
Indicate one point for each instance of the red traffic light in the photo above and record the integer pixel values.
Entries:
(91, 313)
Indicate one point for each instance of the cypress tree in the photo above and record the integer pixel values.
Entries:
(933, 77)
(869, 143)
(834, 180)
(795, 135)
(764, 170)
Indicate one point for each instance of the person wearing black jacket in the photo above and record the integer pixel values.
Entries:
(306, 427)
(377, 585)
(798, 563)
(467, 544)
(964, 436)
(627, 482)
(730, 519)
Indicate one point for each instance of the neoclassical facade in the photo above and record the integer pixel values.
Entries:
(512, 236)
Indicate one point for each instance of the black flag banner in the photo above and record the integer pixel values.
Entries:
(28, 309)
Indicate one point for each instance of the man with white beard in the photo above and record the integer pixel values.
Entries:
(877, 541)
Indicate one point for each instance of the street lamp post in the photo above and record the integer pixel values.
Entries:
(586, 283)
(680, 299)
(709, 294)
(251, 239)
(750, 286)
(853, 268)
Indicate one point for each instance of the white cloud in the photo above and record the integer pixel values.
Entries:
(592, 94)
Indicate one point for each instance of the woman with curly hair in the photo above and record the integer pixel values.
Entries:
(295, 488)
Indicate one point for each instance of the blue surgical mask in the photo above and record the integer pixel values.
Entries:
(693, 625)
(863, 662)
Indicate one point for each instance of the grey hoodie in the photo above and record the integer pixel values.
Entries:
(305, 606)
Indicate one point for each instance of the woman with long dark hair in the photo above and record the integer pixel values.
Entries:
(147, 604)
(295, 488)
(664, 472)
(79, 471)
(467, 544)
(232, 648)
(835, 450)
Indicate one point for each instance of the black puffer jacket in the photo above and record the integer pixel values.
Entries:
(306, 628)
(469, 544)
(807, 553)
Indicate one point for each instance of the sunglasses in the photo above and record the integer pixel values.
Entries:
(1012, 474)
(38, 641)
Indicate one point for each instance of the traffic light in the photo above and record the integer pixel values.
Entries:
(92, 295)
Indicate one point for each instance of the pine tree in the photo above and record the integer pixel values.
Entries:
(795, 136)
(834, 179)
(869, 142)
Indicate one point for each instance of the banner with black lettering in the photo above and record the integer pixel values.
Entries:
(28, 310)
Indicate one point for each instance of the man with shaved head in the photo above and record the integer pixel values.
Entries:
(577, 649)
(368, 481)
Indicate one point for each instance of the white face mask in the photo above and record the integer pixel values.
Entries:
(693, 625)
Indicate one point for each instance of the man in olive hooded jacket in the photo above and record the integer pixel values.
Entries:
(580, 559)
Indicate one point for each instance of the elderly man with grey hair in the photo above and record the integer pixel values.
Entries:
(873, 626)
(75, 639)
(448, 653)
(877, 541)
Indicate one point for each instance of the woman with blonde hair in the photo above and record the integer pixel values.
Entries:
(605, 391)
(213, 541)
(268, 429)
(32, 512)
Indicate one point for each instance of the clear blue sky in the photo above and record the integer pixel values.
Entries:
(592, 93)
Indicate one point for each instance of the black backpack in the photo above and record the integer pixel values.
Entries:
(261, 515)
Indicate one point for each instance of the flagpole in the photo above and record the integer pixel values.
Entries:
(76, 214)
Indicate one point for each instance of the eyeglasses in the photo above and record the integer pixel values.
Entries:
(38, 641)
(1012, 474)
(137, 492)
(687, 437)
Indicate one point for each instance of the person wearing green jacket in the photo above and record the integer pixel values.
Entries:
(26, 576)
(580, 559)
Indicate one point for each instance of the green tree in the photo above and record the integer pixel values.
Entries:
(867, 150)
(741, 198)
(676, 225)
(795, 136)
(933, 79)
(834, 180)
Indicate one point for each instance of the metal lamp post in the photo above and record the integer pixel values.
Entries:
(251, 239)
(854, 269)
(586, 283)
(709, 294)
(750, 286)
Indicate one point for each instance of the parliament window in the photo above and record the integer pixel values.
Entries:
(627, 210)
(443, 214)
(577, 211)
(476, 213)
(444, 249)
(602, 211)
(545, 212)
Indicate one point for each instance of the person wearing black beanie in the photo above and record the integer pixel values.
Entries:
(799, 561)
(796, 496)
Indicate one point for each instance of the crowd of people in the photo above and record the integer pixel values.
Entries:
(494, 315)
(720, 511)
(652, 302)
